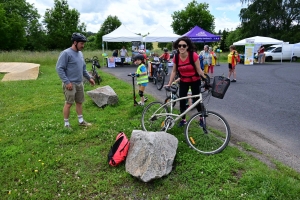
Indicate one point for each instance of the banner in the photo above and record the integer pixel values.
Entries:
(249, 52)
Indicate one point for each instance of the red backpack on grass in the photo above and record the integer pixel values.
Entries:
(119, 150)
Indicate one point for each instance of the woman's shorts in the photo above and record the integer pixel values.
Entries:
(230, 66)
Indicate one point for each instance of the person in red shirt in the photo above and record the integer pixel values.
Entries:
(166, 57)
(189, 74)
(261, 54)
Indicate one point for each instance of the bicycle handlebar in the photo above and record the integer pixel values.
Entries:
(132, 75)
(95, 58)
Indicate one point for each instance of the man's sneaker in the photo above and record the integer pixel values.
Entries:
(201, 122)
(233, 80)
(182, 123)
(68, 127)
(84, 123)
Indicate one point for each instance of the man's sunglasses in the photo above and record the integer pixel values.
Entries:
(182, 45)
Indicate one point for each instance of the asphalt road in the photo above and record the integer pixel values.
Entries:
(262, 107)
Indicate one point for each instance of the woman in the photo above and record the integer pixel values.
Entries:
(261, 53)
(232, 56)
(213, 62)
(189, 74)
(206, 58)
(115, 53)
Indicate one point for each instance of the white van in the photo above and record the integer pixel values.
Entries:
(274, 52)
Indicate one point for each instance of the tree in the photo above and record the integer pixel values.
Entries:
(278, 18)
(233, 36)
(36, 37)
(110, 24)
(4, 29)
(61, 22)
(19, 18)
(193, 14)
(223, 45)
(91, 44)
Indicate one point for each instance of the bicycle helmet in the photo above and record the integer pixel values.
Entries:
(166, 50)
(78, 37)
(139, 57)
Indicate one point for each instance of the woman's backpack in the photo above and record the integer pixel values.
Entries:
(119, 150)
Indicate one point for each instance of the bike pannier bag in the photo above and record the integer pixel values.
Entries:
(220, 86)
(119, 150)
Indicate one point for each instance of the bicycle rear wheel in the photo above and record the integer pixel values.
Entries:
(207, 135)
(96, 77)
(151, 121)
(160, 79)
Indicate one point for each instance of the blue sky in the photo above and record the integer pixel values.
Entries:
(143, 16)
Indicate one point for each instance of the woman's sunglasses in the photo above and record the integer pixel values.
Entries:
(182, 45)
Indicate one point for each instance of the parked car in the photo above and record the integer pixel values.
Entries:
(288, 52)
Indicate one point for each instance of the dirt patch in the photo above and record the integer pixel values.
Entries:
(19, 71)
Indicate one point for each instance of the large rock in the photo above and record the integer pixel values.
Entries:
(103, 96)
(151, 154)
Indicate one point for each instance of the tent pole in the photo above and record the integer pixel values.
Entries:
(281, 51)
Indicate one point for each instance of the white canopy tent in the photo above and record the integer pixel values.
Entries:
(121, 34)
(260, 40)
(161, 35)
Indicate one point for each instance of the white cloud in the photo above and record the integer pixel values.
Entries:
(230, 7)
(225, 23)
(143, 16)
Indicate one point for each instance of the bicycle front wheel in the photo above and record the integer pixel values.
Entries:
(97, 78)
(160, 79)
(151, 119)
(207, 135)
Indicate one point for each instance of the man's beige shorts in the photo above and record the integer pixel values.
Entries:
(76, 94)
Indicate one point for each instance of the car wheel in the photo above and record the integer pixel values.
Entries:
(294, 59)
(268, 59)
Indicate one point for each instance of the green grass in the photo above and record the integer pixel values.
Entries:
(41, 160)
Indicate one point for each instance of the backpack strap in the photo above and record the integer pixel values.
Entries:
(192, 62)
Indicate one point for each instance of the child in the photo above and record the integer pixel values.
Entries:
(141, 76)
(213, 62)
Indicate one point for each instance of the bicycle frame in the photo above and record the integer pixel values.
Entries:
(200, 100)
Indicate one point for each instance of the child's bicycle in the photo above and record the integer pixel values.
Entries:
(95, 63)
(206, 131)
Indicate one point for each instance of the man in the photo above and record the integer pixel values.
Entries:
(71, 68)
(123, 54)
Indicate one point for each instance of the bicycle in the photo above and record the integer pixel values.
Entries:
(165, 65)
(173, 94)
(206, 131)
(158, 75)
(95, 63)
